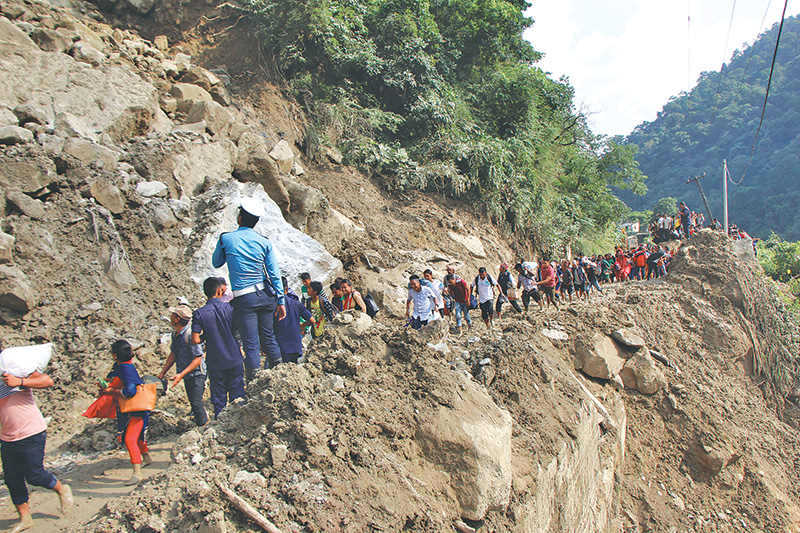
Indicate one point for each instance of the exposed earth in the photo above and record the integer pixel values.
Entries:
(649, 407)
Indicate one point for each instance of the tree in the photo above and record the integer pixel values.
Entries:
(667, 206)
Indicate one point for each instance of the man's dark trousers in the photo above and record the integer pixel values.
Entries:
(195, 385)
(254, 315)
(224, 385)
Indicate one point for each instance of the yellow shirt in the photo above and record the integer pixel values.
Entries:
(319, 316)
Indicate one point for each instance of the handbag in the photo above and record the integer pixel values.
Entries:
(143, 400)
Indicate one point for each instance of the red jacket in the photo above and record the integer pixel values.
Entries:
(460, 291)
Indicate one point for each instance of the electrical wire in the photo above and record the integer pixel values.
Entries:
(766, 96)
(722, 68)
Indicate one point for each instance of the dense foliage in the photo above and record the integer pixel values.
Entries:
(444, 95)
(718, 120)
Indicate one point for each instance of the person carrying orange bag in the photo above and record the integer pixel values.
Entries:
(124, 385)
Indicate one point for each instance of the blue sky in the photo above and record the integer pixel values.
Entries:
(625, 58)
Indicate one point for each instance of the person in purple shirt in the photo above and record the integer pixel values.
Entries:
(288, 332)
(224, 359)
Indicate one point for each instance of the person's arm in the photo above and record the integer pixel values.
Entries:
(218, 257)
(36, 380)
(359, 301)
(167, 365)
(408, 306)
(191, 366)
(274, 275)
(196, 338)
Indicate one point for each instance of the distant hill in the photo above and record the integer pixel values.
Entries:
(718, 120)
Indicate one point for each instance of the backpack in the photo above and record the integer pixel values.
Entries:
(372, 306)
(473, 302)
(488, 278)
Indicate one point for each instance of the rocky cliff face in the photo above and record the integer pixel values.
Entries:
(121, 162)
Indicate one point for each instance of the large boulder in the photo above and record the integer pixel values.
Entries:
(641, 373)
(255, 164)
(15, 292)
(218, 119)
(27, 206)
(472, 243)
(92, 154)
(629, 337)
(200, 77)
(6, 247)
(108, 195)
(214, 160)
(598, 357)
(471, 441)
(28, 174)
(283, 156)
(109, 99)
(15, 135)
(186, 94)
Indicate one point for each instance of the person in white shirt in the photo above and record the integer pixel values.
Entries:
(485, 286)
(438, 290)
(424, 303)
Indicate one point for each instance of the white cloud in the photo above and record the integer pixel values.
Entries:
(626, 60)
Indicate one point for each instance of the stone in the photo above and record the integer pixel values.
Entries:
(15, 292)
(195, 128)
(108, 195)
(50, 40)
(249, 478)
(7, 117)
(187, 94)
(641, 373)
(6, 247)
(12, 11)
(555, 334)
(183, 61)
(200, 77)
(335, 383)
(214, 523)
(283, 156)
(333, 155)
(28, 206)
(279, 454)
(15, 135)
(149, 189)
(629, 338)
(28, 175)
(161, 42)
(92, 154)
(86, 53)
(215, 160)
(170, 67)
(218, 119)
(29, 113)
(710, 459)
(471, 440)
(143, 7)
(68, 125)
(599, 358)
(433, 332)
(220, 95)
(161, 214)
(168, 104)
(237, 129)
(253, 163)
(16, 36)
(470, 242)
(297, 169)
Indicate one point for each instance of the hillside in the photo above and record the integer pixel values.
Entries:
(659, 406)
(718, 120)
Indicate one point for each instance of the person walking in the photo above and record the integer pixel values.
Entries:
(526, 280)
(23, 434)
(424, 300)
(484, 285)
(213, 323)
(288, 332)
(548, 282)
(508, 292)
(461, 293)
(258, 296)
(321, 309)
(188, 361)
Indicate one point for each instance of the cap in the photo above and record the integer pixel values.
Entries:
(182, 311)
(253, 206)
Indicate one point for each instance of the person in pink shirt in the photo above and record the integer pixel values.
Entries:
(22, 439)
(549, 280)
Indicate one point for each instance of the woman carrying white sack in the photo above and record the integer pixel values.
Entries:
(23, 432)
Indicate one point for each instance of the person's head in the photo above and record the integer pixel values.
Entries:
(482, 272)
(250, 211)
(415, 284)
(285, 283)
(246, 220)
(518, 267)
(451, 269)
(180, 316)
(305, 279)
(503, 267)
(428, 274)
(122, 351)
(214, 287)
(314, 289)
(346, 286)
(336, 290)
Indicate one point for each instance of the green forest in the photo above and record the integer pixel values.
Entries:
(445, 96)
(718, 120)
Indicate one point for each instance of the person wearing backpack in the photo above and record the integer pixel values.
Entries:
(484, 286)
(639, 262)
(526, 280)
(508, 292)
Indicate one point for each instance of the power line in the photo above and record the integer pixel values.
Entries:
(722, 68)
(766, 96)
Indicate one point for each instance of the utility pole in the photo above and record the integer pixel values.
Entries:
(725, 193)
(696, 179)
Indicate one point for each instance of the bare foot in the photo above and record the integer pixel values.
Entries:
(146, 459)
(25, 522)
(66, 498)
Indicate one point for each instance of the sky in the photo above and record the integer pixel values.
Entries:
(626, 58)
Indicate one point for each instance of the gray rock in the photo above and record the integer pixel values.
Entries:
(13, 34)
(15, 292)
(283, 156)
(213, 160)
(170, 67)
(249, 478)
(161, 42)
(143, 7)
(641, 373)
(333, 155)
(200, 77)
(50, 40)
(220, 95)
(28, 206)
(7, 117)
(28, 175)
(297, 169)
(195, 128)
(237, 129)
(15, 135)
(253, 163)
(278, 453)
(150, 189)
(187, 94)
(68, 125)
(91, 154)
(86, 53)
(161, 214)
(214, 523)
(218, 119)
(6, 247)
(108, 195)
(629, 338)
(12, 11)
(184, 62)
(599, 358)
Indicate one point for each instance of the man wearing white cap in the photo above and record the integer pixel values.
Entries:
(258, 295)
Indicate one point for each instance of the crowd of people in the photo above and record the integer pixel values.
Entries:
(684, 223)
(258, 320)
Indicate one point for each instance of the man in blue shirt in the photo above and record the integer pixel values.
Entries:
(223, 355)
(257, 289)
(188, 361)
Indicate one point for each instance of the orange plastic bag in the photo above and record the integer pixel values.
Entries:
(103, 407)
